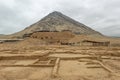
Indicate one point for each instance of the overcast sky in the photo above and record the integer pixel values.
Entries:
(101, 15)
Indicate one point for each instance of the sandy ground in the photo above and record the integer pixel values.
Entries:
(75, 63)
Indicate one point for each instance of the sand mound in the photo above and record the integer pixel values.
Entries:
(31, 41)
(25, 44)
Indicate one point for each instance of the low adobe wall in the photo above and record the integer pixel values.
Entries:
(23, 56)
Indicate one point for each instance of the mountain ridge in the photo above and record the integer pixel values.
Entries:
(56, 21)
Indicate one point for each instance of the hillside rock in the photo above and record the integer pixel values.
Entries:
(57, 21)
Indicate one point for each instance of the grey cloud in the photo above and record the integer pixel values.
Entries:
(101, 15)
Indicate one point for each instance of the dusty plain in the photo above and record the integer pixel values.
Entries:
(32, 61)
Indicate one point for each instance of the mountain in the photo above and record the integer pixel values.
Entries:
(57, 21)
(2, 36)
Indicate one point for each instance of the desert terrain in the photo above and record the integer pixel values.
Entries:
(31, 60)
(59, 48)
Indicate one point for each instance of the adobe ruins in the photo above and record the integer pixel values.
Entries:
(54, 37)
(66, 37)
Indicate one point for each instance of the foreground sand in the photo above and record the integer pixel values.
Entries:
(76, 63)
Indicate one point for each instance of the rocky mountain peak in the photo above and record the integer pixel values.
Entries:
(56, 21)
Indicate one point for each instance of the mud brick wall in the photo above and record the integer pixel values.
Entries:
(54, 37)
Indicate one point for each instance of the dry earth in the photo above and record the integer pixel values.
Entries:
(71, 62)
